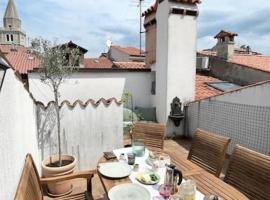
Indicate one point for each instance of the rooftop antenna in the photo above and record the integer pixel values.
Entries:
(141, 32)
(108, 44)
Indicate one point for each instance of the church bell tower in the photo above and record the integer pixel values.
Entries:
(12, 33)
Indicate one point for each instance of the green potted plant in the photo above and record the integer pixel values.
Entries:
(57, 62)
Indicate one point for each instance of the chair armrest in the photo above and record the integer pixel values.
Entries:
(75, 175)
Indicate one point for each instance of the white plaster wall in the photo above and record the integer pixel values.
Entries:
(182, 46)
(161, 61)
(17, 132)
(176, 60)
(96, 85)
(257, 95)
(86, 132)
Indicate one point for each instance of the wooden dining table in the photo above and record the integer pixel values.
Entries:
(207, 183)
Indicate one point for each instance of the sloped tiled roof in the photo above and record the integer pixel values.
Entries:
(154, 7)
(105, 63)
(98, 63)
(132, 51)
(223, 33)
(130, 65)
(202, 89)
(19, 58)
(258, 62)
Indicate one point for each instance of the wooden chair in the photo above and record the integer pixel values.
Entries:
(30, 185)
(209, 150)
(249, 172)
(152, 133)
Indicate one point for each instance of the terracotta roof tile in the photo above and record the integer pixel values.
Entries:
(20, 58)
(132, 51)
(98, 63)
(202, 89)
(258, 62)
(151, 10)
(154, 7)
(130, 65)
(223, 33)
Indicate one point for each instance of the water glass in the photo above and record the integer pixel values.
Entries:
(164, 160)
(138, 147)
(188, 190)
(131, 158)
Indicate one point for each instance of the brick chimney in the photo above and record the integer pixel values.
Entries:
(225, 44)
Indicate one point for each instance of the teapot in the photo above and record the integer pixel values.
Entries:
(173, 178)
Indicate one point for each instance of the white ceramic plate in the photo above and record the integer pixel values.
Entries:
(115, 169)
(129, 191)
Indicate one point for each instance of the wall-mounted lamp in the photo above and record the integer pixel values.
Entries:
(3, 70)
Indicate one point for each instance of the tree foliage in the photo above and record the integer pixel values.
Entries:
(57, 62)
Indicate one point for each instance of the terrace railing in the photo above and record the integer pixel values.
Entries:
(247, 125)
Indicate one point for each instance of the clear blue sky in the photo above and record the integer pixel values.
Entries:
(91, 22)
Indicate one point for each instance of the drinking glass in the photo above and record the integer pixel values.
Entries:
(138, 147)
(164, 160)
(188, 190)
(131, 158)
(165, 191)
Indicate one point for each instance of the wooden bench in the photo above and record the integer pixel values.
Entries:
(30, 185)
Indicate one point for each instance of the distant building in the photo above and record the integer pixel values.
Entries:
(241, 66)
(12, 32)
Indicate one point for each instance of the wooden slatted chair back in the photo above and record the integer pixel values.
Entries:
(29, 187)
(152, 133)
(208, 150)
(249, 172)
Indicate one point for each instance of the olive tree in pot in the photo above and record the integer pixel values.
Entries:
(57, 62)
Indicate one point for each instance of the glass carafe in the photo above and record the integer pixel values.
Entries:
(138, 147)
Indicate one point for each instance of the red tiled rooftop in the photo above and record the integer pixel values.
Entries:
(132, 51)
(19, 58)
(258, 62)
(130, 65)
(98, 63)
(223, 33)
(253, 61)
(153, 8)
(203, 90)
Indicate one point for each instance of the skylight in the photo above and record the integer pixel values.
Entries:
(224, 86)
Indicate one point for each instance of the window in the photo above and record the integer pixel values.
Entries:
(223, 86)
(8, 38)
(153, 86)
(11, 37)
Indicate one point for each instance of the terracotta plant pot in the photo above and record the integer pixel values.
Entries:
(59, 188)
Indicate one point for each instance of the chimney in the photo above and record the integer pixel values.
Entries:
(176, 47)
(225, 44)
